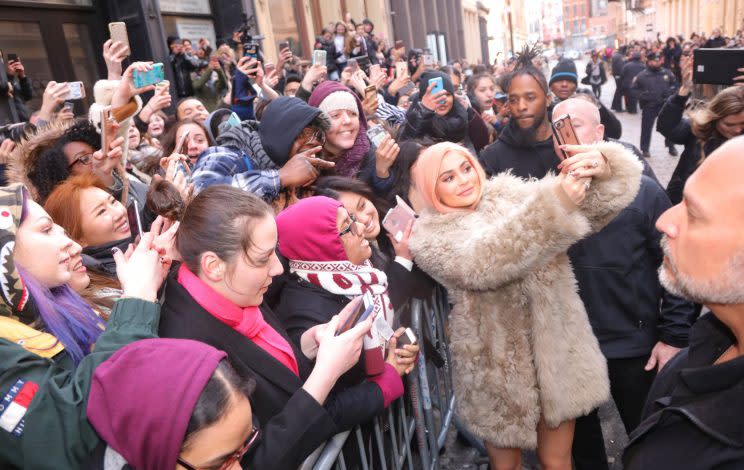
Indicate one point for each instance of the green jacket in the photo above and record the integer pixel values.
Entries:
(211, 97)
(55, 433)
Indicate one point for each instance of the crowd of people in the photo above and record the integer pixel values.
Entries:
(184, 281)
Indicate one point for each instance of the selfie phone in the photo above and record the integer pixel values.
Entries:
(75, 91)
(401, 69)
(12, 57)
(319, 57)
(358, 315)
(149, 77)
(251, 50)
(233, 120)
(353, 65)
(376, 135)
(564, 133)
(396, 220)
(438, 85)
(181, 141)
(716, 66)
(408, 337)
(118, 32)
(133, 217)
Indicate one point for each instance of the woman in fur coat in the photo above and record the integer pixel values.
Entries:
(526, 362)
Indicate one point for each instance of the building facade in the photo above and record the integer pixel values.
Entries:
(695, 16)
(576, 23)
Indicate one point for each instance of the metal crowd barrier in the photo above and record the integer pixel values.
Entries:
(425, 412)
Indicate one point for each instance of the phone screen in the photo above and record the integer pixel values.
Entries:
(356, 316)
(12, 57)
(438, 85)
(181, 141)
(135, 224)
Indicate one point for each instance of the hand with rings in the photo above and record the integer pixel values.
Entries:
(585, 162)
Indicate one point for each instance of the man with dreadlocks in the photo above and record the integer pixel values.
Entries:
(525, 145)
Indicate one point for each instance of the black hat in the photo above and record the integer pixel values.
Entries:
(564, 70)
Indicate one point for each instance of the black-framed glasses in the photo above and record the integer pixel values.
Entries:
(232, 458)
(86, 159)
(351, 228)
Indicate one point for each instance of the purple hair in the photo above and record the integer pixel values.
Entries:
(63, 312)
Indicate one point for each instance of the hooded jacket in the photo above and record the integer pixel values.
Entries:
(249, 156)
(533, 160)
(522, 346)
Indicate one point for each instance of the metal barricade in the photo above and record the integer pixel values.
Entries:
(426, 411)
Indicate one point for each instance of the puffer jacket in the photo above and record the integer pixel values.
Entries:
(522, 346)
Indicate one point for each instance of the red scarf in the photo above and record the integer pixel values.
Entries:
(248, 321)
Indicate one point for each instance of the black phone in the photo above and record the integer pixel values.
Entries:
(358, 315)
(251, 50)
(133, 216)
(283, 45)
(716, 66)
(408, 337)
(12, 57)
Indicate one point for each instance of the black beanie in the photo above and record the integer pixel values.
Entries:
(564, 70)
(446, 81)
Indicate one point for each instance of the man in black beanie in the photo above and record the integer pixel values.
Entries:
(564, 79)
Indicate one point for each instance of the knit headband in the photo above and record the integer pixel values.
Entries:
(339, 100)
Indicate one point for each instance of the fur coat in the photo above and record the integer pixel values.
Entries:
(521, 342)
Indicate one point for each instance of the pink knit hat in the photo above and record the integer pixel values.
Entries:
(308, 231)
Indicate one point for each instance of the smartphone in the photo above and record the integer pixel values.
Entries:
(150, 77)
(105, 137)
(564, 133)
(374, 69)
(270, 67)
(133, 217)
(251, 50)
(358, 315)
(179, 145)
(376, 134)
(716, 66)
(319, 57)
(233, 120)
(396, 220)
(12, 57)
(401, 69)
(75, 91)
(283, 45)
(162, 87)
(408, 337)
(371, 90)
(438, 85)
(118, 32)
(428, 59)
(353, 65)
(68, 105)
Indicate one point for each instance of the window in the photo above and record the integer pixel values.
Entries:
(24, 40)
(284, 24)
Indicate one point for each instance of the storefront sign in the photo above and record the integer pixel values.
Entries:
(194, 29)
(185, 6)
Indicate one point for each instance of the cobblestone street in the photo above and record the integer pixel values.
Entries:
(461, 457)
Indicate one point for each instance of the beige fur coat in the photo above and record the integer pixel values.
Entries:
(521, 342)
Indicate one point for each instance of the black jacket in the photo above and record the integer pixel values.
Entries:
(715, 42)
(292, 423)
(534, 160)
(692, 418)
(618, 61)
(674, 126)
(182, 68)
(653, 87)
(631, 68)
(616, 269)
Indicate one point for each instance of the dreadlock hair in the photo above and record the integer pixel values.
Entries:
(524, 66)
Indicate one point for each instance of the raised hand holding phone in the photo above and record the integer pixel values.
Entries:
(429, 100)
(127, 89)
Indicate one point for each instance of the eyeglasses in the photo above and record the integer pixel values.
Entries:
(232, 458)
(86, 159)
(353, 228)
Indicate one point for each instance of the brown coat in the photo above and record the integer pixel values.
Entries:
(521, 342)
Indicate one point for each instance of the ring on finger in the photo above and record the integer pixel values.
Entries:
(570, 172)
(595, 164)
(587, 184)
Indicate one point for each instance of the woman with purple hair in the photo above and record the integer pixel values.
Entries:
(51, 340)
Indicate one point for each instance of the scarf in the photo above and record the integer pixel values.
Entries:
(248, 321)
(100, 259)
(350, 280)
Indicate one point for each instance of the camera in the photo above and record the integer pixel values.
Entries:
(250, 43)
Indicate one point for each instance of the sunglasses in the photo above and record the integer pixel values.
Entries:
(232, 458)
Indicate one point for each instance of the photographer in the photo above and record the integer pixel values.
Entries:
(211, 84)
(182, 65)
(18, 86)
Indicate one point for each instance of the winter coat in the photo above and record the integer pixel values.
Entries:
(618, 61)
(602, 74)
(183, 65)
(617, 272)
(521, 343)
(57, 434)
(675, 127)
(631, 68)
(653, 87)
(692, 414)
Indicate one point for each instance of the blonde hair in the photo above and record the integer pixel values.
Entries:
(703, 120)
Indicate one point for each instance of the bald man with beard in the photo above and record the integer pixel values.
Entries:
(693, 416)
(640, 325)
